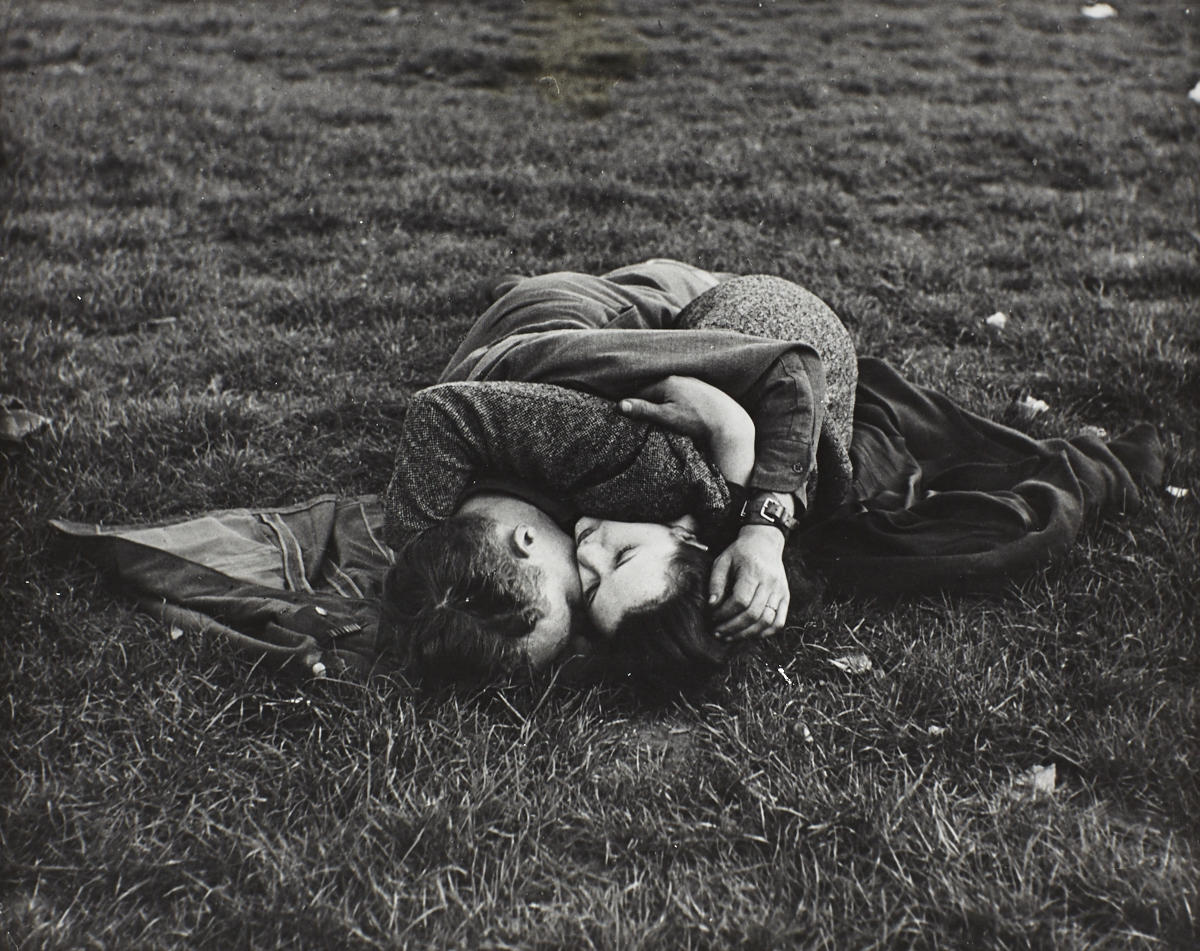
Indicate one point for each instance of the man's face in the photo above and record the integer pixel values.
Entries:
(551, 553)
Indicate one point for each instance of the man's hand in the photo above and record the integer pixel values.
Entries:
(683, 404)
(711, 417)
(749, 586)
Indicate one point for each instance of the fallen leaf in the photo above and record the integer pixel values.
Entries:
(936, 730)
(998, 320)
(1098, 431)
(1028, 407)
(1099, 11)
(175, 633)
(1037, 781)
(16, 422)
(1194, 95)
(1177, 492)
(853, 663)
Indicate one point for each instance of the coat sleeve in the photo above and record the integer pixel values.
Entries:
(572, 446)
(781, 383)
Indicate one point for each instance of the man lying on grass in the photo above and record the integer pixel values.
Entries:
(526, 499)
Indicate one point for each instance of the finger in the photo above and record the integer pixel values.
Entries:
(638, 409)
(775, 613)
(772, 621)
(736, 601)
(743, 610)
(657, 391)
(756, 627)
(664, 415)
(767, 625)
(781, 615)
(718, 579)
(769, 622)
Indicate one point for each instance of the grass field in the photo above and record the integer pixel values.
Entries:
(235, 238)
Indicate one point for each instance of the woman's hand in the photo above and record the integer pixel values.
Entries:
(711, 417)
(749, 586)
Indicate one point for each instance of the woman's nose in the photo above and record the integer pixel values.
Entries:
(585, 566)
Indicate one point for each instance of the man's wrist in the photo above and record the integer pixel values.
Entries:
(764, 535)
(769, 509)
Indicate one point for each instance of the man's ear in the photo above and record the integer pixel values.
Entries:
(521, 540)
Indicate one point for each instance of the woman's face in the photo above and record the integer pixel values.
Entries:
(624, 566)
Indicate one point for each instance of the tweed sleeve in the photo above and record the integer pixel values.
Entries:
(570, 445)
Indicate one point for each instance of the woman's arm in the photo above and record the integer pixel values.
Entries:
(571, 446)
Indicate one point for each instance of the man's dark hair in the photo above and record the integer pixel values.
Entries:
(669, 645)
(455, 605)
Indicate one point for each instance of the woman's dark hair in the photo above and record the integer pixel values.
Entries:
(455, 605)
(670, 645)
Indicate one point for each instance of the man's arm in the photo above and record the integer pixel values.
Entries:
(711, 418)
(572, 446)
(748, 586)
(780, 383)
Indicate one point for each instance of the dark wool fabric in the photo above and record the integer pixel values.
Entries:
(949, 500)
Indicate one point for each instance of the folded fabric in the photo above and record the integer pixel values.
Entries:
(297, 585)
(949, 500)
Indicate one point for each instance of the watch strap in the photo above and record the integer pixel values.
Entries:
(767, 511)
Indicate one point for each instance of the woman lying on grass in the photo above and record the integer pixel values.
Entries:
(551, 522)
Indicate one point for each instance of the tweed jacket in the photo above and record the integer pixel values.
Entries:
(572, 446)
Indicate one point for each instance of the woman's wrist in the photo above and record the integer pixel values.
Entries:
(773, 511)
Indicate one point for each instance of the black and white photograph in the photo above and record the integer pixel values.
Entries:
(599, 474)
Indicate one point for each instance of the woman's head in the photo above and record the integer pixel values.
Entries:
(645, 588)
(627, 566)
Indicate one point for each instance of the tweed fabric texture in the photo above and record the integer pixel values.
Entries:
(569, 445)
(767, 306)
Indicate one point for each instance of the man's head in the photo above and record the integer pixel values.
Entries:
(487, 593)
(498, 590)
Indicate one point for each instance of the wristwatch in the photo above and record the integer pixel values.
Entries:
(767, 511)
